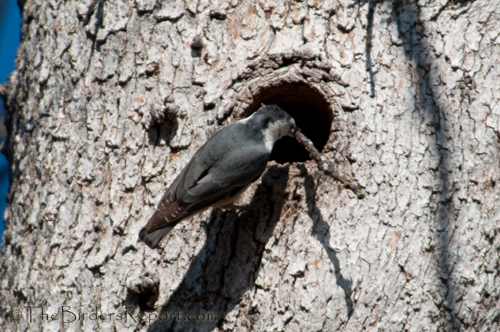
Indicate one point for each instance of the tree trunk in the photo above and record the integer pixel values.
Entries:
(111, 98)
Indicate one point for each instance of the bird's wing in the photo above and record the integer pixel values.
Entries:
(201, 184)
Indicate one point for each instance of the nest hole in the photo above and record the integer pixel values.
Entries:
(311, 112)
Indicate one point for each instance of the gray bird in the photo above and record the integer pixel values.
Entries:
(220, 171)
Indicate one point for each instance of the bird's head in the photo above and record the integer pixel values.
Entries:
(275, 122)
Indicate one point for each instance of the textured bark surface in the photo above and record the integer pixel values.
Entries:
(111, 98)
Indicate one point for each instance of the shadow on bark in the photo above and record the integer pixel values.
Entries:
(418, 52)
(228, 264)
(405, 14)
(368, 47)
(99, 5)
(321, 230)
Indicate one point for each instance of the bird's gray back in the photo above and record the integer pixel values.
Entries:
(230, 159)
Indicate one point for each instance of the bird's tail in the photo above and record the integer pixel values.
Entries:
(153, 238)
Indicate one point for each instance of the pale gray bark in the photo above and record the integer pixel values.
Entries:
(111, 98)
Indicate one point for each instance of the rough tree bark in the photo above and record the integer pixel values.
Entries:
(110, 98)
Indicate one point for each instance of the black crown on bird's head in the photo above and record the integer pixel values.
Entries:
(272, 113)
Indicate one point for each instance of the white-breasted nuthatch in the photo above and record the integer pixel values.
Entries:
(220, 171)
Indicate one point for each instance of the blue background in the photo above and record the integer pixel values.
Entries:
(10, 35)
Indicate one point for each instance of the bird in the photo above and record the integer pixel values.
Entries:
(220, 171)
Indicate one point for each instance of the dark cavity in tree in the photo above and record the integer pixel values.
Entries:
(311, 112)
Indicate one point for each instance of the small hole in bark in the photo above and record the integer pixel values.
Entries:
(208, 106)
(311, 112)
